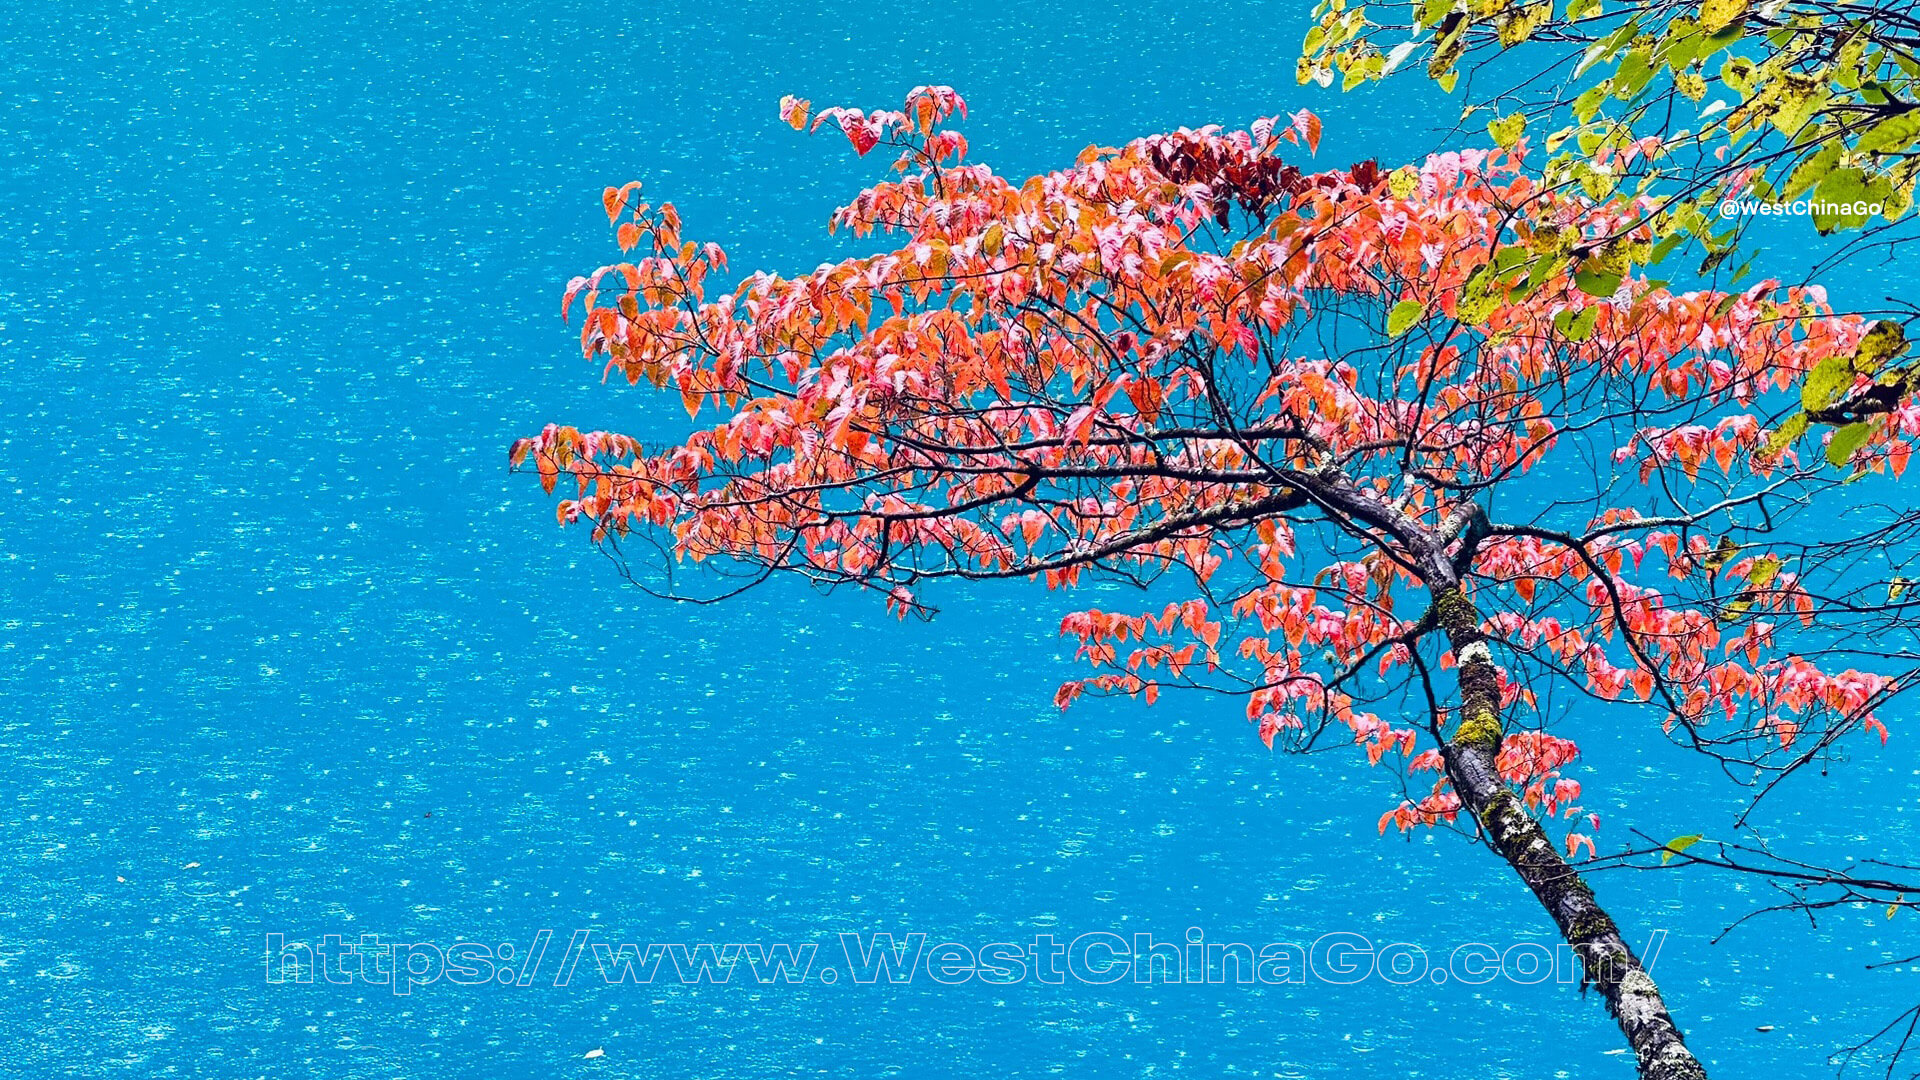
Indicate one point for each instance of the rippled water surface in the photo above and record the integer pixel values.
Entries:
(283, 648)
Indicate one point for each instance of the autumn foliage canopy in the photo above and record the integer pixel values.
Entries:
(1305, 409)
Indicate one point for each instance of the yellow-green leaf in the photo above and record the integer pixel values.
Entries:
(1477, 306)
(1796, 99)
(1404, 315)
(1722, 552)
(1506, 130)
(1828, 379)
(1632, 74)
(1787, 433)
(1577, 326)
(1813, 170)
(1587, 105)
(1679, 844)
(1841, 187)
(1597, 281)
(1715, 14)
(1883, 342)
(1846, 440)
(1891, 136)
(1737, 73)
(1736, 608)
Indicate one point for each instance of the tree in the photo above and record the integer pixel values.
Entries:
(1343, 419)
(1693, 101)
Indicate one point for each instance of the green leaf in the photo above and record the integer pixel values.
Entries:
(1635, 69)
(1607, 46)
(1846, 65)
(1677, 845)
(1898, 201)
(1517, 26)
(1477, 306)
(1598, 183)
(1721, 39)
(1736, 609)
(1826, 381)
(1404, 315)
(1595, 281)
(1665, 247)
(1737, 73)
(1846, 440)
(1506, 259)
(1745, 268)
(1577, 326)
(1680, 44)
(1722, 552)
(1884, 341)
(1842, 187)
(1813, 170)
(1788, 433)
(1891, 136)
(1587, 105)
(1506, 131)
(1796, 99)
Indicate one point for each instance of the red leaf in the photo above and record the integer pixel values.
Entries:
(1308, 125)
(858, 134)
(574, 288)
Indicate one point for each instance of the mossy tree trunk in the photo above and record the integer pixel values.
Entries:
(1609, 964)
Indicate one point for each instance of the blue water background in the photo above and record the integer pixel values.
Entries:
(279, 283)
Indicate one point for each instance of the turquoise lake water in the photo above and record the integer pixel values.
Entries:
(283, 649)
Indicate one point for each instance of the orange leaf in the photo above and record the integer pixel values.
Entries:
(794, 111)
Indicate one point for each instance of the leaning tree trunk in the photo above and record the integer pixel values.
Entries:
(1609, 964)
